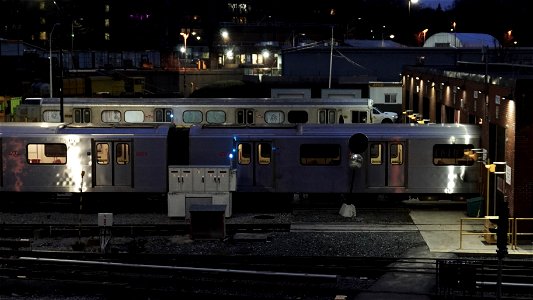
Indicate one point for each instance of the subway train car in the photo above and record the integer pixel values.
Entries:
(195, 111)
(414, 159)
(50, 158)
(429, 159)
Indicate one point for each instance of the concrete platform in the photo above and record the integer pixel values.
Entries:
(442, 232)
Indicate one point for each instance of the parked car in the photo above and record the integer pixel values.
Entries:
(379, 116)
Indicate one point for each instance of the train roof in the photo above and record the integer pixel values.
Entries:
(375, 131)
(155, 129)
(14, 128)
(200, 101)
(44, 128)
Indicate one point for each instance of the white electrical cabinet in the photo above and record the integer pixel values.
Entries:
(199, 185)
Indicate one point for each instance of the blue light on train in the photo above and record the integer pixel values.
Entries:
(230, 156)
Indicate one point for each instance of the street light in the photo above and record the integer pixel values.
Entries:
(409, 5)
(50, 42)
(185, 36)
(225, 38)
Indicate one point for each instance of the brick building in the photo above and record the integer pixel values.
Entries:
(497, 97)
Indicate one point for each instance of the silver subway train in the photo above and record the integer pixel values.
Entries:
(193, 111)
(401, 159)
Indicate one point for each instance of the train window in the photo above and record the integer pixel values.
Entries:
(77, 115)
(250, 117)
(240, 116)
(245, 153)
(215, 116)
(274, 117)
(359, 116)
(320, 154)
(376, 157)
(265, 153)
(396, 154)
(158, 113)
(297, 116)
(123, 153)
(134, 116)
(192, 116)
(87, 115)
(169, 115)
(321, 116)
(52, 116)
(111, 116)
(82, 115)
(51, 154)
(102, 153)
(332, 116)
(453, 154)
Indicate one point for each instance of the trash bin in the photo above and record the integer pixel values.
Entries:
(473, 207)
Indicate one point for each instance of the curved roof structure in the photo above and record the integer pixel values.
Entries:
(462, 40)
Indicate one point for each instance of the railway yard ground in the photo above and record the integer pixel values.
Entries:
(413, 231)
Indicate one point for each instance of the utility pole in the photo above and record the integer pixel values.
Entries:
(50, 57)
(331, 58)
(61, 112)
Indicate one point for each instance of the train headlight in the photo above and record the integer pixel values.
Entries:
(356, 160)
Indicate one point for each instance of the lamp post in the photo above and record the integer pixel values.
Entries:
(454, 34)
(51, 75)
(409, 5)
(225, 50)
(185, 36)
(498, 168)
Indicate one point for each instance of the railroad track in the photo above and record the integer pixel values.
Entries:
(254, 277)
(156, 276)
(75, 230)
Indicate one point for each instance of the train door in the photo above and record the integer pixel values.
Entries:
(113, 165)
(255, 164)
(328, 116)
(81, 115)
(386, 164)
(245, 116)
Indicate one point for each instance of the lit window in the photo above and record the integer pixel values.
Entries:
(47, 154)
(215, 116)
(134, 116)
(192, 116)
(111, 116)
(52, 116)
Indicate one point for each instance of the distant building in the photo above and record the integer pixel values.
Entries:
(462, 40)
